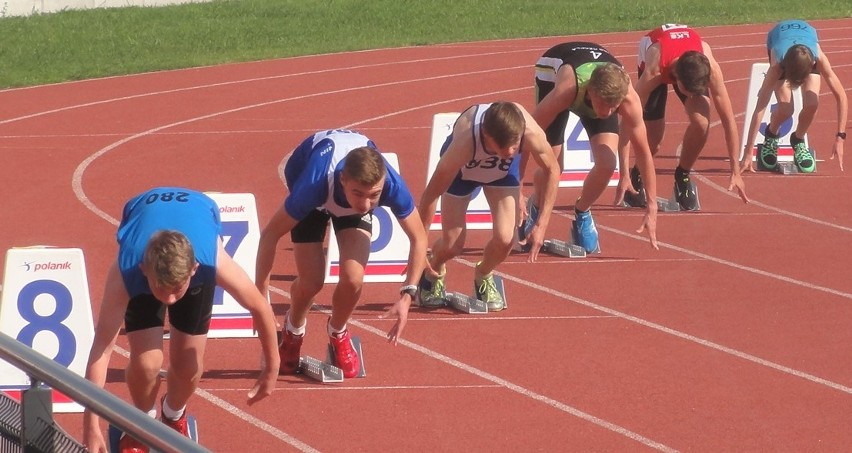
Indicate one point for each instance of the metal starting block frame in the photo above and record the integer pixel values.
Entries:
(782, 168)
(318, 370)
(466, 304)
(557, 247)
(327, 371)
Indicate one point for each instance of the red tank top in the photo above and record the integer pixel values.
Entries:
(674, 41)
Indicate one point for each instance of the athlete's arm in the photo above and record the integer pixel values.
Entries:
(722, 101)
(110, 318)
(280, 224)
(633, 127)
(836, 87)
(764, 95)
(233, 279)
(535, 143)
(412, 225)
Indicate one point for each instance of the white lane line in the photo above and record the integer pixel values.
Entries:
(335, 388)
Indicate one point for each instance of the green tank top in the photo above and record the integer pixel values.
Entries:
(583, 73)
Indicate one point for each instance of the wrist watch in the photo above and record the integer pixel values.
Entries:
(841, 135)
(411, 290)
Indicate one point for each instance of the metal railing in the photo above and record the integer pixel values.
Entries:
(108, 406)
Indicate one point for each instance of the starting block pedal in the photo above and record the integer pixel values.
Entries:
(319, 370)
(557, 247)
(466, 304)
(114, 434)
(782, 168)
(356, 344)
(666, 205)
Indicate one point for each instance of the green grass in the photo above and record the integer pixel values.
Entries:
(73, 45)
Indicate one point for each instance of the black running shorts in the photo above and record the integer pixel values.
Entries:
(190, 315)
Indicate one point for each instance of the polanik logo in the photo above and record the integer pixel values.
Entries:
(48, 266)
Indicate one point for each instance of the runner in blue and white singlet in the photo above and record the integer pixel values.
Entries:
(313, 176)
(337, 177)
(484, 166)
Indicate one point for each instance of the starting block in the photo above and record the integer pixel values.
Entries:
(467, 304)
(671, 204)
(114, 434)
(319, 370)
(782, 168)
(557, 247)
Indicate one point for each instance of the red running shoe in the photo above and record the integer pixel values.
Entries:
(128, 444)
(180, 425)
(344, 355)
(288, 351)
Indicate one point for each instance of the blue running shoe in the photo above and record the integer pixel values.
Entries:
(584, 232)
(532, 217)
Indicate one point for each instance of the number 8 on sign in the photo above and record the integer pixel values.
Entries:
(46, 306)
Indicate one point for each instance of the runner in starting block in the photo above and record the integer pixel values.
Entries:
(467, 304)
(115, 434)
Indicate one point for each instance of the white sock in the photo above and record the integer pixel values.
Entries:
(153, 412)
(332, 332)
(170, 413)
(297, 331)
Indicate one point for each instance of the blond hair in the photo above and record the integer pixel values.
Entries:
(797, 64)
(504, 123)
(610, 82)
(169, 258)
(364, 165)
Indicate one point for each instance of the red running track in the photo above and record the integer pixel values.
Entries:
(734, 336)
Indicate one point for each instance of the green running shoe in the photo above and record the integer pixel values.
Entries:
(804, 159)
(768, 156)
(432, 294)
(486, 291)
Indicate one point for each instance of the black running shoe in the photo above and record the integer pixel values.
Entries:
(685, 191)
(637, 200)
